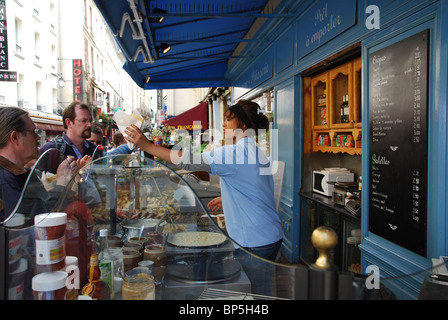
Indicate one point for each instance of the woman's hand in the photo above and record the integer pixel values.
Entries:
(136, 136)
(215, 204)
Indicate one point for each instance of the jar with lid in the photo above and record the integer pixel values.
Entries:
(156, 253)
(73, 281)
(50, 286)
(49, 229)
(17, 239)
(138, 287)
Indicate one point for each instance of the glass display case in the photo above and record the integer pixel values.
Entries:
(149, 211)
(162, 242)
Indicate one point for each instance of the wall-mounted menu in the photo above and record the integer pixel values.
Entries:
(398, 84)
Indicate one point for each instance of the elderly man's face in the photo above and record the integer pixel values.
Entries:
(29, 140)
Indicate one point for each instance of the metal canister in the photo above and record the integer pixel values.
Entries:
(342, 140)
(350, 141)
(327, 140)
(320, 141)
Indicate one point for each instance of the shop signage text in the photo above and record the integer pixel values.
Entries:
(189, 127)
(77, 80)
(10, 76)
(3, 37)
(323, 22)
(261, 71)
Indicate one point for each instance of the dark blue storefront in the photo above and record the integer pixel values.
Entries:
(299, 40)
(320, 31)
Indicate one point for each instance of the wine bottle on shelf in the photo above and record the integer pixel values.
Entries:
(343, 110)
(347, 110)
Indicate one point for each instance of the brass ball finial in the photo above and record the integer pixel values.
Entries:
(324, 239)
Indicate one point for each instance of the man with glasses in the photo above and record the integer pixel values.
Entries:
(19, 143)
(77, 120)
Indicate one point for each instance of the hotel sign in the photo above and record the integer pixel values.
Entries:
(77, 80)
(323, 22)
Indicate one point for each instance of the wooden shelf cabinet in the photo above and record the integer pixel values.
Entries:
(328, 92)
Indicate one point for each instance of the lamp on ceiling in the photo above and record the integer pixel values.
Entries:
(163, 48)
(147, 78)
(158, 20)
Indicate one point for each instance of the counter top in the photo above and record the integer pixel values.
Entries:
(327, 202)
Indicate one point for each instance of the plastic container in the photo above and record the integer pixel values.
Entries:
(147, 264)
(16, 240)
(17, 280)
(49, 229)
(156, 253)
(70, 261)
(118, 284)
(131, 258)
(50, 285)
(138, 288)
(73, 281)
(139, 271)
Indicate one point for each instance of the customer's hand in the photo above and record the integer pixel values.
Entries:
(83, 161)
(66, 170)
(215, 204)
(136, 136)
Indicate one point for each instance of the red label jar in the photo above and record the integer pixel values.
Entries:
(49, 229)
(50, 286)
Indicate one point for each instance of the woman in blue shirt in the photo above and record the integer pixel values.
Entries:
(247, 187)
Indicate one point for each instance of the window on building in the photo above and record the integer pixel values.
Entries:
(53, 19)
(54, 58)
(19, 35)
(37, 46)
(39, 99)
(21, 91)
(54, 100)
(36, 5)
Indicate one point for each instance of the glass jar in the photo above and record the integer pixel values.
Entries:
(138, 287)
(131, 258)
(157, 254)
(155, 237)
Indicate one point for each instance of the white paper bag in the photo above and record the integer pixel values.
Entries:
(124, 120)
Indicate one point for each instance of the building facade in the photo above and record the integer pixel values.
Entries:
(58, 52)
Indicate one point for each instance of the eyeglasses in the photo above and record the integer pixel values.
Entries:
(85, 121)
(35, 131)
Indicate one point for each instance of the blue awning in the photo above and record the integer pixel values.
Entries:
(203, 36)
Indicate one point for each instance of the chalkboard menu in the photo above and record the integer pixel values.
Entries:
(398, 84)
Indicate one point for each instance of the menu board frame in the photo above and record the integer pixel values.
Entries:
(398, 141)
